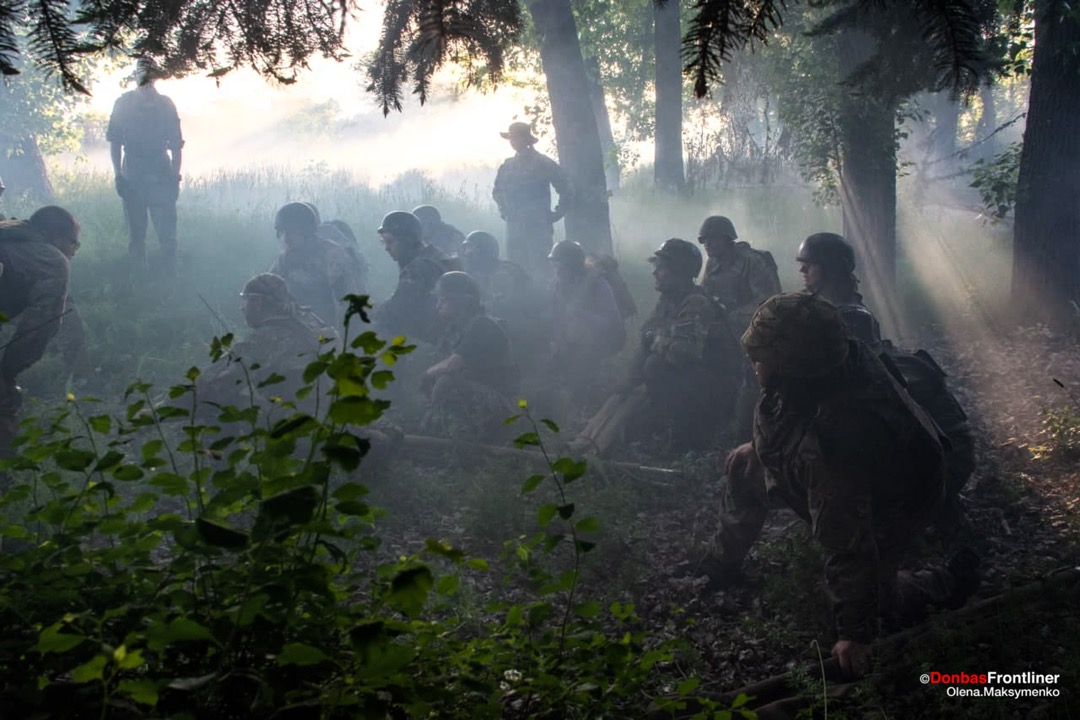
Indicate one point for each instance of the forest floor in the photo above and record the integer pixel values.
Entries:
(1022, 509)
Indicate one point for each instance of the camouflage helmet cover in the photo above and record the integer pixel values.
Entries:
(567, 252)
(717, 226)
(403, 226)
(682, 257)
(829, 250)
(270, 286)
(482, 243)
(296, 216)
(798, 335)
(457, 284)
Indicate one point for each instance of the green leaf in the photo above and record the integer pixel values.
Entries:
(381, 378)
(272, 379)
(218, 534)
(409, 590)
(588, 609)
(349, 491)
(447, 585)
(357, 410)
(569, 468)
(589, 524)
(550, 425)
(585, 546)
(130, 660)
(345, 457)
(532, 483)
(74, 460)
(355, 508)
(511, 420)
(100, 423)
(566, 511)
(52, 640)
(546, 514)
(687, 686)
(170, 483)
(477, 563)
(300, 654)
(92, 669)
(526, 439)
(297, 505)
(144, 692)
(128, 473)
(292, 425)
(444, 549)
(160, 635)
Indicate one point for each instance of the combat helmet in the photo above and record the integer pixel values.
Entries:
(569, 253)
(830, 251)
(296, 216)
(427, 214)
(270, 286)
(402, 225)
(483, 244)
(681, 256)
(798, 335)
(457, 284)
(717, 226)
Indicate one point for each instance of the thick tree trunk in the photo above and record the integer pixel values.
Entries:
(23, 169)
(1046, 232)
(668, 163)
(612, 170)
(868, 183)
(588, 220)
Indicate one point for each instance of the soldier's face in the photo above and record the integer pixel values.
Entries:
(812, 276)
(714, 246)
(662, 276)
(251, 306)
(763, 373)
(519, 142)
(391, 244)
(70, 245)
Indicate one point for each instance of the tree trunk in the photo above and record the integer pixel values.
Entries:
(868, 182)
(580, 153)
(946, 110)
(987, 124)
(23, 169)
(603, 125)
(1046, 232)
(668, 162)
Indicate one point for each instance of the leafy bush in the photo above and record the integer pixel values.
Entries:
(159, 566)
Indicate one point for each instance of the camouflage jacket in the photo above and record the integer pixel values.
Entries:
(688, 330)
(33, 292)
(743, 284)
(146, 124)
(586, 318)
(410, 310)
(854, 456)
(523, 188)
(319, 273)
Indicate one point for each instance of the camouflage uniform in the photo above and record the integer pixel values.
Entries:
(587, 325)
(851, 454)
(319, 273)
(690, 364)
(145, 123)
(410, 311)
(749, 280)
(474, 401)
(523, 193)
(33, 291)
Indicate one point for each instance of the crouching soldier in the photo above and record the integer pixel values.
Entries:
(838, 441)
(686, 371)
(470, 390)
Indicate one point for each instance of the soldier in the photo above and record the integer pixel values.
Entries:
(411, 309)
(145, 141)
(736, 274)
(470, 390)
(686, 371)
(523, 193)
(282, 341)
(437, 233)
(319, 272)
(36, 260)
(587, 326)
(827, 264)
(838, 441)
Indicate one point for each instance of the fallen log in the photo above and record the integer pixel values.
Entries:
(777, 697)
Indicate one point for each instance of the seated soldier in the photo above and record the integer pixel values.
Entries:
(282, 341)
(410, 311)
(838, 441)
(586, 324)
(319, 272)
(736, 274)
(685, 374)
(470, 390)
(437, 233)
(827, 264)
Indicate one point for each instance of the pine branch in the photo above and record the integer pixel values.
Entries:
(718, 28)
(12, 14)
(952, 30)
(54, 42)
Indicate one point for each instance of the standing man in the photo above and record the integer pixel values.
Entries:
(523, 193)
(36, 257)
(145, 143)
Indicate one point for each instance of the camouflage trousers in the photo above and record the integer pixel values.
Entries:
(466, 409)
(904, 596)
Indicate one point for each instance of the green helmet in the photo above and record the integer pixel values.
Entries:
(483, 244)
(566, 252)
(403, 226)
(798, 335)
(457, 284)
(717, 226)
(682, 257)
(270, 286)
(829, 250)
(296, 216)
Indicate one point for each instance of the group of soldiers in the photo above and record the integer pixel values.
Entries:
(859, 438)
